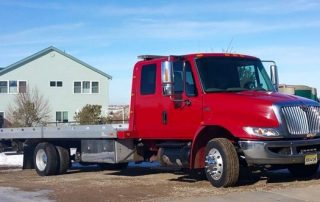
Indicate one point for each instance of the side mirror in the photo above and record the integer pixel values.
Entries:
(274, 76)
(167, 78)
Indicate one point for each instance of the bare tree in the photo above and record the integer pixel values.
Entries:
(28, 109)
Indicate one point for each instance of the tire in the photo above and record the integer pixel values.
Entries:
(109, 166)
(221, 163)
(45, 159)
(301, 170)
(64, 160)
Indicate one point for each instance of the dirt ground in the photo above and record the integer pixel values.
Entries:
(140, 184)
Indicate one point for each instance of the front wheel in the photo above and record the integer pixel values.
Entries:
(301, 170)
(221, 163)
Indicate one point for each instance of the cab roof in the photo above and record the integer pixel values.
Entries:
(195, 55)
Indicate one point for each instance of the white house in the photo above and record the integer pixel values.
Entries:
(67, 82)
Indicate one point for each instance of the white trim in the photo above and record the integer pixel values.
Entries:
(7, 86)
(90, 89)
(17, 82)
(18, 86)
(80, 86)
(55, 83)
(61, 114)
(98, 87)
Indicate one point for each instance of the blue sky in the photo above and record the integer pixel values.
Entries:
(110, 34)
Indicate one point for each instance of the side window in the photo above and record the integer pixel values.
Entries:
(190, 85)
(178, 77)
(148, 79)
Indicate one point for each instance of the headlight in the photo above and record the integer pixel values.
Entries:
(262, 132)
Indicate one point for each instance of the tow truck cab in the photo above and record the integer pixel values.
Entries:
(210, 110)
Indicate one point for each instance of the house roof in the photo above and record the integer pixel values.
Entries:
(44, 52)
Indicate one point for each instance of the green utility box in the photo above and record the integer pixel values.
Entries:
(299, 90)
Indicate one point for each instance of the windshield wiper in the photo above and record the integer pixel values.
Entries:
(258, 89)
(226, 90)
(236, 89)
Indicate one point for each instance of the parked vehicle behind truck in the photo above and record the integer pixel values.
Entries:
(299, 90)
(210, 111)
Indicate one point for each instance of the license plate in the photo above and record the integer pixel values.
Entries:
(311, 159)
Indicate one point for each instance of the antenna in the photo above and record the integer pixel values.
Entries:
(229, 48)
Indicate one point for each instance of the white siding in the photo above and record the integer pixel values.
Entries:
(56, 67)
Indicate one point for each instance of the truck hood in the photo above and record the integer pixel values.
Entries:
(235, 110)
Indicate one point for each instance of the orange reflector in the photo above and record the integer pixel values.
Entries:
(200, 55)
(166, 75)
(226, 54)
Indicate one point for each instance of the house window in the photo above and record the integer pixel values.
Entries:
(3, 86)
(55, 83)
(13, 88)
(77, 87)
(22, 86)
(95, 87)
(62, 116)
(52, 83)
(86, 87)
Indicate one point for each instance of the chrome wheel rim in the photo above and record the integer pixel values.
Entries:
(214, 164)
(41, 159)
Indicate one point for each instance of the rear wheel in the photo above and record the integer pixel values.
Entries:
(221, 163)
(301, 170)
(45, 159)
(64, 160)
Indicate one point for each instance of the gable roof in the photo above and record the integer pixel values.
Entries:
(44, 52)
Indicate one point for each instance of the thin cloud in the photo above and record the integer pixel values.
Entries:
(38, 34)
(181, 30)
(33, 5)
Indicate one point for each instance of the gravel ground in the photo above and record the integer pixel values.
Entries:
(139, 184)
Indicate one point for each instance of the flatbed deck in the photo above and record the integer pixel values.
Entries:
(61, 132)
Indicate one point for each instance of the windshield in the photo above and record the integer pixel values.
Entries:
(220, 74)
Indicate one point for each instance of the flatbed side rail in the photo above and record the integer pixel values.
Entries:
(67, 132)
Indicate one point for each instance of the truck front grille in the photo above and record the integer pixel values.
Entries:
(302, 119)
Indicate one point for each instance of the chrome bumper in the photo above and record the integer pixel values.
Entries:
(279, 152)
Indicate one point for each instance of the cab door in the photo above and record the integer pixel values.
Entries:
(182, 112)
(147, 112)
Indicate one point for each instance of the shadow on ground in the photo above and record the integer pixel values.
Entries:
(247, 176)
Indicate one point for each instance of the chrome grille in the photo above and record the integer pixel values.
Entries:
(302, 119)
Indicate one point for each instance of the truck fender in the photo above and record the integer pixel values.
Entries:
(203, 135)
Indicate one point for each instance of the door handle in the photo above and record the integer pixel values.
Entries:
(164, 117)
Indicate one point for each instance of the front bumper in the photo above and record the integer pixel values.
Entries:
(279, 152)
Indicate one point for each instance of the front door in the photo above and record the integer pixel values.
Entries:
(183, 111)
